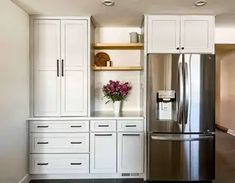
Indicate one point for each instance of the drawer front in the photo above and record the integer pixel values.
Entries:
(59, 126)
(130, 125)
(59, 163)
(103, 125)
(59, 143)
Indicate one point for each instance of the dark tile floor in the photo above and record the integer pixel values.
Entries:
(225, 164)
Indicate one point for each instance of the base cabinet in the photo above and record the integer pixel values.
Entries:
(59, 163)
(103, 153)
(130, 152)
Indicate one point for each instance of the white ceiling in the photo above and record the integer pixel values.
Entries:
(129, 12)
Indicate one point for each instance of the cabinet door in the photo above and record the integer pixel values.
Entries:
(163, 34)
(197, 34)
(74, 68)
(103, 153)
(130, 152)
(46, 49)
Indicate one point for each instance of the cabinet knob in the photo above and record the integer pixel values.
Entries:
(182, 48)
(177, 48)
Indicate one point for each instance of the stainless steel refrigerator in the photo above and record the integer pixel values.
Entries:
(181, 117)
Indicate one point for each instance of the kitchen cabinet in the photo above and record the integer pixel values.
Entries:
(59, 147)
(60, 55)
(130, 152)
(103, 153)
(130, 146)
(59, 163)
(163, 34)
(180, 34)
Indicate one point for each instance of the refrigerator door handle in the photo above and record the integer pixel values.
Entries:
(181, 94)
(187, 92)
(161, 138)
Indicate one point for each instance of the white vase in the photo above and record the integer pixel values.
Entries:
(117, 107)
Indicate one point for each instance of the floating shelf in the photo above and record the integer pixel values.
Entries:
(119, 46)
(125, 68)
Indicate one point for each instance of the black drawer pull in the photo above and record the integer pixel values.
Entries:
(76, 126)
(103, 135)
(42, 164)
(75, 142)
(43, 126)
(42, 142)
(131, 134)
(75, 163)
(103, 125)
(130, 126)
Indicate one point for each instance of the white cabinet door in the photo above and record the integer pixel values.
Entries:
(46, 55)
(163, 34)
(103, 153)
(130, 152)
(197, 34)
(74, 67)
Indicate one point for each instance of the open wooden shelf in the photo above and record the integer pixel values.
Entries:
(119, 46)
(125, 68)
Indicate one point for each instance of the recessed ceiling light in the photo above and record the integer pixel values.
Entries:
(200, 3)
(108, 2)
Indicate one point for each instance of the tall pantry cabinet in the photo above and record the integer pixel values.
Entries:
(60, 67)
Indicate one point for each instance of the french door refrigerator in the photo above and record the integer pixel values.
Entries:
(181, 116)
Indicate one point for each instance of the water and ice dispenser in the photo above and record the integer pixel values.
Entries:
(166, 103)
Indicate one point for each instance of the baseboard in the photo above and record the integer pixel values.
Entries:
(221, 128)
(231, 132)
(25, 179)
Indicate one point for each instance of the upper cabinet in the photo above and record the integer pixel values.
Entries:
(163, 34)
(180, 34)
(60, 66)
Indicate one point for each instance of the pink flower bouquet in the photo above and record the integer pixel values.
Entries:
(116, 91)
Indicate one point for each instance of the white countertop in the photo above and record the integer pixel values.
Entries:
(96, 115)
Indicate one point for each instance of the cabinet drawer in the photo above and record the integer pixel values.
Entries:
(103, 125)
(59, 126)
(59, 143)
(130, 125)
(59, 163)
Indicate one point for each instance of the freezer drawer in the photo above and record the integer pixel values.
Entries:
(181, 157)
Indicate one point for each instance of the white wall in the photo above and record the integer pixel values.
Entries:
(14, 91)
(119, 58)
(225, 35)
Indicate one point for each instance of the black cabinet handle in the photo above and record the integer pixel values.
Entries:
(43, 126)
(75, 142)
(177, 48)
(42, 164)
(76, 126)
(103, 135)
(57, 64)
(182, 48)
(131, 134)
(130, 126)
(103, 125)
(75, 163)
(42, 142)
(62, 69)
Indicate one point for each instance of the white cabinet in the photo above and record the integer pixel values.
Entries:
(197, 34)
(103, 153)
(59, 163)
(130, 152)
(163, 34)
(74, 67)
(180, 34)
(60, 54)
(46, 55)
(59, 142)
